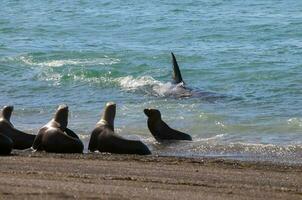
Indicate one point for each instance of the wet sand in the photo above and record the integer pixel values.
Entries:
(27, 175)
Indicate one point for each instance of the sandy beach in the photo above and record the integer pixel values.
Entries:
(27, 175)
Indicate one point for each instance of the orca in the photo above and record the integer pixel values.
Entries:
(181, 90)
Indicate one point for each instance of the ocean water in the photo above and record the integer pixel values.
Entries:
(86, 53)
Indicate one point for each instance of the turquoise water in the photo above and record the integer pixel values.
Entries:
(86, 53)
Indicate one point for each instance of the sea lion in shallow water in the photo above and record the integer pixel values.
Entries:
(56, 137)
(6, 145)
(160, 130)
(20, 139)
(104, 139)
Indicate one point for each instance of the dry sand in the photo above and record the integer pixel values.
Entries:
(27, 175)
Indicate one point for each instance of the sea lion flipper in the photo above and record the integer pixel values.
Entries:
(6, 145)
(37, 144)
(122, 145)
(23, 140)
(93, 142)
(71, 133)
(183, 135)
(176, 75)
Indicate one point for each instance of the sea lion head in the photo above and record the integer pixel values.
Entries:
(152, 113)
(7, 112)
(61, 116)
(108, 115)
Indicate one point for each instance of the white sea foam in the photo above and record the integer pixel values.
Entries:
(46, 70)
(151, 86)
(54, 77)
(59, 63)
(214, 138)
(295, 121)
(239, 150)
(130, 83)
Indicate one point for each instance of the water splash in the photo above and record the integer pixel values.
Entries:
(295, 122)
(151, 86)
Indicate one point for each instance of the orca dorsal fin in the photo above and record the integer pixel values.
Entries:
(176, 75)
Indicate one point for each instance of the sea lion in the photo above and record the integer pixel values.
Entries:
(20, 139)
(55, 137)
(6, 145)
(104, 139)
(160, 130)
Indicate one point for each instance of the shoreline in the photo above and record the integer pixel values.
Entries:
(110, 176)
